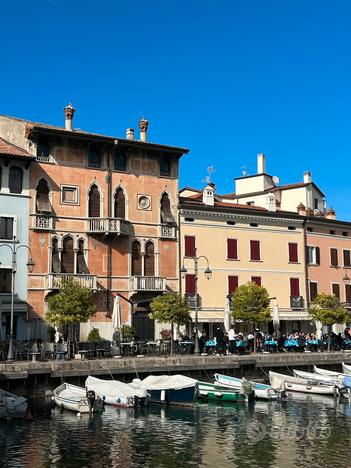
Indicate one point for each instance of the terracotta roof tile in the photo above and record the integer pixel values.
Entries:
(8, 149)
(192, 201)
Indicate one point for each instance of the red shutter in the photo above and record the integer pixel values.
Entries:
(233, 282)
(232, 249)
(257, 280)
(347, 258)
(190, 250)
(334, 257)
(313, 291)
(190, 284)
(294, 287)
(293, 255)
(348, 293)
(255, 250)
(336, 290)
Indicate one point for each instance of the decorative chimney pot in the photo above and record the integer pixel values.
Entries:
(69, 114)
(143, 126)
(301, 209)
(309, 212)
(330, 214)
(130, 134)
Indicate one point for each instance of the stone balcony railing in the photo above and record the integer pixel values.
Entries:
(118, 226)
(54, 280)
(147, 283)
(43, 222)
(167, 232)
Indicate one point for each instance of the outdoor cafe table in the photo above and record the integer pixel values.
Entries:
(185, 346)
(347, 343)
(210, 345)
(313, 345)
(291, 344)
(270, 345)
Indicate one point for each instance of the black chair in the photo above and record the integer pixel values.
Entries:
(103, 348)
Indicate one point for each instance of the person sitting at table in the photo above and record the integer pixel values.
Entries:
(250, 341)
(281, 341)
(202, 341)
(338, 341)
(220, 341)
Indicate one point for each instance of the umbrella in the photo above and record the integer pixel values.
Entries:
(227, 317)
(116, 313)
(57, 335)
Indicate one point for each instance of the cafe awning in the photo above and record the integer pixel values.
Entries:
(208, 316)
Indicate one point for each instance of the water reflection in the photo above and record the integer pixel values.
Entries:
(302, 431)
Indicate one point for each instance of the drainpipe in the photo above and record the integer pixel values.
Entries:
(108, 179)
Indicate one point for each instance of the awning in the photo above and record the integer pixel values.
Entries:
(18, 306)
(167, 217)
(208, 316)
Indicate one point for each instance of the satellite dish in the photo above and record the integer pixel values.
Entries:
(276, 180)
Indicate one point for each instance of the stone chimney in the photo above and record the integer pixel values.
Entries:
(143, 125)
(261, 163)
(330, 214)
(69, 113)
(309, 212)
(208, 194)
(130, 134)
(307, 177)
(301, 209)
(271, 202)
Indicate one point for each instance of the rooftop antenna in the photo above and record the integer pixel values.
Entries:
(244, 171)
(210, 171)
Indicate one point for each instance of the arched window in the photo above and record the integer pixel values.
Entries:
(166, 213)
(165, 167)
(42, 198)
(55, 257)
(94, 202)
(120, 161)
(120, 204)
(94, 157)
(136, 259)
(15, 179)
(67, 256)
(149, 260)
(81, 264)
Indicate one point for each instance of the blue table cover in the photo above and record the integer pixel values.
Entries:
(314, 342)
(271, 343)
(291, 343)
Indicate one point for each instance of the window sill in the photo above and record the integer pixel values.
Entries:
(335, 266)
(313, 264)
(256, 261)
(233, 259)
(295, 263)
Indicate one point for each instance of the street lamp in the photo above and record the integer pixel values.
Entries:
(30, 264)
(346, 279)
(208, 274)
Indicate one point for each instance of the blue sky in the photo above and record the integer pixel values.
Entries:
(226, 78)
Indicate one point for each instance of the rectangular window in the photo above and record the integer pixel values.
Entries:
(70, 194)
(313, 255)
(190, 249)
(232, 249)
(190, 284)
(255, 253)
(313, 290)
(316, 203)
(43, 150)
(257, 280)
(332, 232)
(293, 253)
(345, 233)
(334, 257)
(6, 228)
(233, 282)
(294, 287)
(348, 293)
(347, 258)
(5, 280)
(336, 290)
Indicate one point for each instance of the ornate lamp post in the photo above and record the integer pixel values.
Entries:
(208, 274)
(30, 264)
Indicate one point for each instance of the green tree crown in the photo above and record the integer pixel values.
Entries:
(170, 308)
(250, 303)
(326, 308)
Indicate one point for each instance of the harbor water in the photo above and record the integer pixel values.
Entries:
(305, 430)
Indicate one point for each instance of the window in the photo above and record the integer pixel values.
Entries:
(6, 228)
(15, 179)
(165, 167)
(231, 223)
(257, 280)
(250, 203)
(189, 220)
(81, 264)
(345, 233)
(255, 250)
(332, 232)
(149, 259)
(5, 280)
(67, 256)
(120, 204)
(313, 255)
(309, 229)
(334, 257)
(94, 202)
(347, 258)
(232, 249)
(120, 161)
(313, 290)
(233, 282)
(69, 194)
(55, 257)
(190, 249)
(42, 204)
(294, 287)
(348, 293)
(291, 228)
(316, 203)
(94, 157)
(136, 259)
(190, 284)
(253, 224)
(336, 290)
(43, 150)
(166, 213)
(293, 253)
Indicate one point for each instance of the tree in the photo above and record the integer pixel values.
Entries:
(250, 304)
(326, 308)
(170, 308)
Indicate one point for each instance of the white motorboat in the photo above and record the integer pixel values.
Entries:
(77, 399)
(116, 393)
(329, 373)
(262, 391)
(343, 384)
(170, 389)
(12, 406)
(296, 384)
(346, 368)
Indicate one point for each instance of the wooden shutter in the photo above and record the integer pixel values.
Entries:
(149, 260)
(318, 256)
(336, 290)
(233, 282)
(293, 253)
(348, 293)
(232, 249)
(334, 257)
(5, 280)
(67, 256)
(255, 250)
(136, 259)
(15, 179)
(257, 280)
(42, 199)
(294, 287)
(94, 202)
(313, 291)
(120, 204)
(190, 249)
(190, 284)
(347, 259)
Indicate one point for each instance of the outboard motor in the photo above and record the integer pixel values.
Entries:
(91, 399)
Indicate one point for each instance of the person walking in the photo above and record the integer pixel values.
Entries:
(231, 337)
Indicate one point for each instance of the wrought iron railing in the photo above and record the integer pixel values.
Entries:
(43, 222)
(117, 226)
(54, 280)
(167, 231)
(147, 283)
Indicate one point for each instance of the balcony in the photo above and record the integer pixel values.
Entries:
(167, 232)
(297, 302)
(43, 222)
(118, 226)
(147, 283)
(54, 280)
(190, 300)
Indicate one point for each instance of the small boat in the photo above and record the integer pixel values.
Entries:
(212, 391)
(116, 393)
(262, 391)
(77, 399)
(296, 384)
(170, 389)
(329, 373)
(342, 383)
(346, 368)
(12, 406)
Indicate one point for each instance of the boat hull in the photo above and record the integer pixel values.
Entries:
(12, 406)
(171, 396)
(262, 391)
(74, 398)
(296, 384)
(219, 393)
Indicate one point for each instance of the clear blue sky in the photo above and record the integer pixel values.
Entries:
(226, 78)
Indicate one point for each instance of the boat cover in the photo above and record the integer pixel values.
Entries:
(164, 382)
(114, 388)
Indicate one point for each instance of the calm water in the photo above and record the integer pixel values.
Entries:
(300, 432)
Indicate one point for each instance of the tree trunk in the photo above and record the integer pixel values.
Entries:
(254, 334)
(172, 331)
(329, 337)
